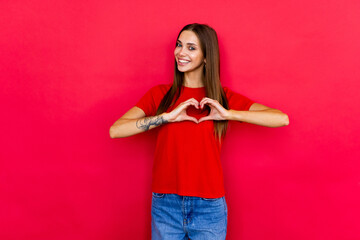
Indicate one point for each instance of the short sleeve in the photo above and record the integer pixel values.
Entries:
(237, 101)
(147, 102)
(150, 102)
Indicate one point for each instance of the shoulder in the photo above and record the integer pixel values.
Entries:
(160, 89)
(225, 88)
(227, 91)
(235, 95)
(164, 87)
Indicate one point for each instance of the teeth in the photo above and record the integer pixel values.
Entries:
(183, 61)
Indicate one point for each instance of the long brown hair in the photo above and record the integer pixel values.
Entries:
(210, 48)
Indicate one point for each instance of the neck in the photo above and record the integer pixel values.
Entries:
(193, 79)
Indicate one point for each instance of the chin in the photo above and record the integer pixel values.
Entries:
(182, 70)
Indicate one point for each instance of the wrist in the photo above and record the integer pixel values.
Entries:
(229, 116)
(165, 117)
(234, 115)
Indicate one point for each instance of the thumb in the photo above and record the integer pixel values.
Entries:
(205, 119)
(191, 119)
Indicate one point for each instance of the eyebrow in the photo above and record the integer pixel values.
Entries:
(190, 43)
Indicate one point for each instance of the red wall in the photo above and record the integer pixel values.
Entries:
(69, 69)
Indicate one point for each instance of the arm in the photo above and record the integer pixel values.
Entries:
(135, 121)
(258, 114)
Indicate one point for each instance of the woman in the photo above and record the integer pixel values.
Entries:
(188, 197)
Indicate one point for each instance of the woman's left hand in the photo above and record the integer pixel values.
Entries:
(217, 111)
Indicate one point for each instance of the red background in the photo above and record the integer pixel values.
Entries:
(69, 69)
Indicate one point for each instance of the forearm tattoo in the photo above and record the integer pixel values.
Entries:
(148, 121)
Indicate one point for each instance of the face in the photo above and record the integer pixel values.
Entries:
(188, 54)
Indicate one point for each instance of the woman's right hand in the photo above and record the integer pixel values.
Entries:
(179, 113)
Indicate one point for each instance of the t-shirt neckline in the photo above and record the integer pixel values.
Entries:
(193, 88)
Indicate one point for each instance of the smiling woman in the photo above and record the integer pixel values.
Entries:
(192, 113)
(190, 57)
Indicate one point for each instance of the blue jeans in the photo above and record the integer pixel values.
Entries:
(175, 217)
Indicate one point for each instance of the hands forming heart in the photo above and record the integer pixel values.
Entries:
(217, 111)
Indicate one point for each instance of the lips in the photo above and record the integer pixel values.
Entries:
(182, 62)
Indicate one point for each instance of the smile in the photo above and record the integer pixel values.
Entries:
(183, 62)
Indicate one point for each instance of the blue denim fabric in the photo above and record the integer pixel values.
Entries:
(175, 217)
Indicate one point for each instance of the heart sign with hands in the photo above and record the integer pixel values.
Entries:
(217, 111)
(179, 113)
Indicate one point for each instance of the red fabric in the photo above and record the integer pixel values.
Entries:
(187, 156)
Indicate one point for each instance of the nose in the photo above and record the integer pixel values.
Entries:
(181, 51)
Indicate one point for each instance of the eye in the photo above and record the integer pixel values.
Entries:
(191, 48)
(177, 44)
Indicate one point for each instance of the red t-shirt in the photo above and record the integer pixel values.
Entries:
(187, 155)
